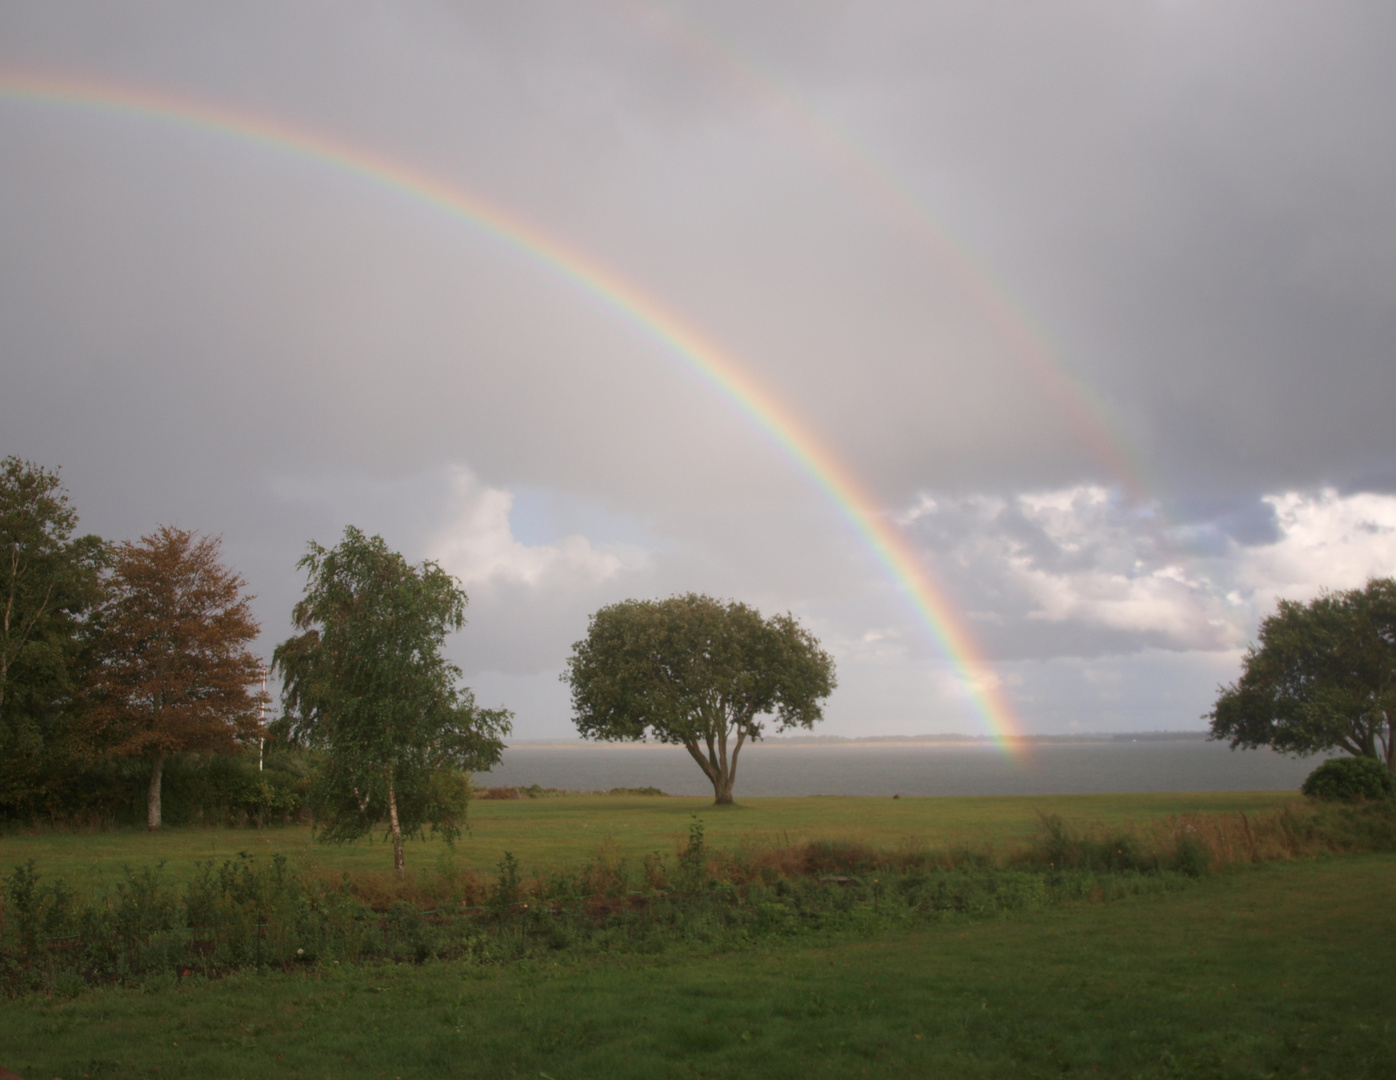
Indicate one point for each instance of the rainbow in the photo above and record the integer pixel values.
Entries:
(1090, 416)
(703, 357)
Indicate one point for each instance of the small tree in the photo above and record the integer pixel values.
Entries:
(171, 672)
(48, 581)
(365, 683)
(1323, 677)
(695, 672)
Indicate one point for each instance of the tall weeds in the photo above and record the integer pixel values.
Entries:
(246, 913)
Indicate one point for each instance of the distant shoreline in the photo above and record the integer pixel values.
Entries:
(891, 740)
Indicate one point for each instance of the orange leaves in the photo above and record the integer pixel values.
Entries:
(172, 672)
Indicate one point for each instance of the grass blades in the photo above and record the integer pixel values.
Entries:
(1276, 970)
(555, 833)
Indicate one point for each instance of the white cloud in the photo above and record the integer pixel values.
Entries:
(1080, 571)
(478, 544)
(1327, 540)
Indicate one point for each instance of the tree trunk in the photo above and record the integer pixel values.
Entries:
(152, 798)
(717, 765)
(399, 863)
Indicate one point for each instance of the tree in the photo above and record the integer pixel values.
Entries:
(695, 672)
(1350, 779)
(48, 581)
(365, 683)
(1322, 678)
(171, 672)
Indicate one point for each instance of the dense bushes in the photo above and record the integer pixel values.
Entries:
(225, 790)
(199, 789)
(248, 913)
(1349, 779)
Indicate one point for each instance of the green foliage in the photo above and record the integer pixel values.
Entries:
(49, 581)
(1253, 974)
(244, 913)
(248, 912)
(199, 789)
(560, 830)
(1323, 677)
(692, 859)
(1114, 852)
(507, 890)
(697, 673)
(1350, 779)
(226, 789)
(366, 685)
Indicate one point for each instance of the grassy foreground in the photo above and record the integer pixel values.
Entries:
(550, 833)
(1276, 970)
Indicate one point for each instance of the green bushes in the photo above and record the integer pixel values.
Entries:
(199, 789)
(245, 913)
(1349, 779)
(1059, 847)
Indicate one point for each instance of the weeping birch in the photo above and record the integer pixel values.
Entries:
(365, 683)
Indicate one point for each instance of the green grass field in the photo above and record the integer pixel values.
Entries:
(555, 832)
(1280, 970)
(1274, 969)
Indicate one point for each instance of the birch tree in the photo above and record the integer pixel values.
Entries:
(366, 684)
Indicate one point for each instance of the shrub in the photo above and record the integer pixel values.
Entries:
(1350, 779)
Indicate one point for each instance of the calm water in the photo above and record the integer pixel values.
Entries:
(863, 769)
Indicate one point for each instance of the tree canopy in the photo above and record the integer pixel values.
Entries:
(699, 673)
(171, 671)
(1322, 677)
(365, 682)
(48, 581)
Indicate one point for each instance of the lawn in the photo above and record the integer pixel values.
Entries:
(555, 832)
(1277, 970)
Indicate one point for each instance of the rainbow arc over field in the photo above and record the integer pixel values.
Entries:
(703, 357)
(877, 185)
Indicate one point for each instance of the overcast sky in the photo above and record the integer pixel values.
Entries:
(1098, 300)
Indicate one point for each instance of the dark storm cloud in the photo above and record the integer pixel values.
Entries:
(1190, 203)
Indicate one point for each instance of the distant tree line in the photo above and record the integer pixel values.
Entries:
(127, 681)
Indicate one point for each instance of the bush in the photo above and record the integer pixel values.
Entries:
(1349, 780)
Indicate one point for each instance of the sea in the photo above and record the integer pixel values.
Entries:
(1075, 767)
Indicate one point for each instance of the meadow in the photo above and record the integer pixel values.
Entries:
(1271, 959)
(1281, 970)
(552, 832)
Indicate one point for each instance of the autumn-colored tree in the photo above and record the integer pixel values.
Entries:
(171, 671)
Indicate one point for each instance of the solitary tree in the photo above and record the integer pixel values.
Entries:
(1323, 677)
(48, 581)
(365, 683)
(171, 672)
(693, 671)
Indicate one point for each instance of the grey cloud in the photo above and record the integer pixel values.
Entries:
(1188, 202)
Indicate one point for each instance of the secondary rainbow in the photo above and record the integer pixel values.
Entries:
(1091, 418)
(700, 355)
